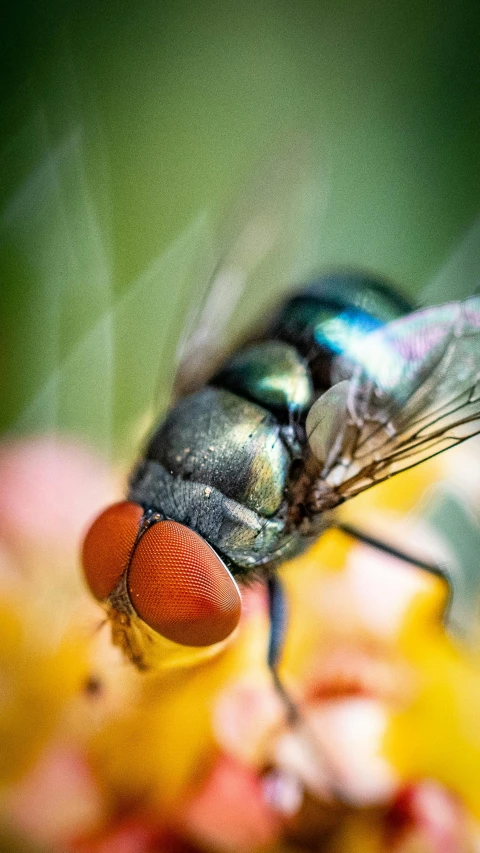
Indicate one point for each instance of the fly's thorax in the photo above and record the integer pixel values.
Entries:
(272, 374)
(221, 440)
(220, 465)
(246, 539)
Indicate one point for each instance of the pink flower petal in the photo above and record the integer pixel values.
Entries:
(230, 812)
(57, 800)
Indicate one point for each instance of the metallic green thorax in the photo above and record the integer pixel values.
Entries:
(272, 374)
(220, 465)
(220, 439)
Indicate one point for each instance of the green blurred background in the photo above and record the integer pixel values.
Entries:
(139, 139)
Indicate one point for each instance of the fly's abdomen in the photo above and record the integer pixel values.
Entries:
(285, 372)
(333, 316)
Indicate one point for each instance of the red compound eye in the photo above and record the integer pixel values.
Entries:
(108, 545)
(179, 586)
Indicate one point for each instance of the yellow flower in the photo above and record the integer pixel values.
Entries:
(203, 745)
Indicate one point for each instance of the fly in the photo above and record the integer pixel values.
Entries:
(345, 388)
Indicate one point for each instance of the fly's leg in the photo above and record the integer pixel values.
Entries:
(295, 719)
(277, 610)
(432, 568)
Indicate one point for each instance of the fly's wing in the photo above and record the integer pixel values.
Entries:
(101, 342)
(263, 244)
(412, 390)
(221, 277)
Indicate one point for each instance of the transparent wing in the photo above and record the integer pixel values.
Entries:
(103, 335)
(413, 391)
(261, 250)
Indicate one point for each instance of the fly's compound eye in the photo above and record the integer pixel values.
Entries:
(181, 588)
(108, 546)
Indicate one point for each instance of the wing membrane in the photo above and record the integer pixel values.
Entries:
(259, 247)
(414, 391)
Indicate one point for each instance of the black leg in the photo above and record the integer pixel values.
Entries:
(278, 622)
(431, 568)
(277, 611)
(277, 608)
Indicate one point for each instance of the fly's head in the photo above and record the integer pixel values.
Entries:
(158, 578)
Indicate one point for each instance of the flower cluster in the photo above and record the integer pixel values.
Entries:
(382, 754)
